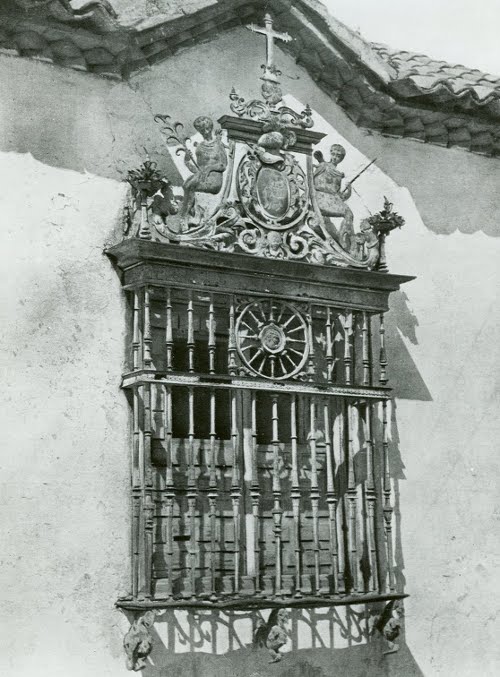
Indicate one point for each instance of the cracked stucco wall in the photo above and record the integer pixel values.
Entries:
(66, 141)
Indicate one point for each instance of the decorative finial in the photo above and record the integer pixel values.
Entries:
(382, 224)
(272, 105)
(145, 182)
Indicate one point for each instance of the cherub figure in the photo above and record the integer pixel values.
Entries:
(366, 240)
(332, 197)
(164, 203)
(273, 634)
(208, 166)
(275, 248)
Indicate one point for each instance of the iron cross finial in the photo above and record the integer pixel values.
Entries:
(271, 35)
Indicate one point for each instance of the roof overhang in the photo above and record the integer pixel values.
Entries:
(415, 98)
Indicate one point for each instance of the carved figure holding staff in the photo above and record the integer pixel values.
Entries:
(332, 198)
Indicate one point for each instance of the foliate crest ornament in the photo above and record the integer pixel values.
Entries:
(255, 185)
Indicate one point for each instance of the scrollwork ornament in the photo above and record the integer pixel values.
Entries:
(288, 116)
(298, 247)
(252, 241)
(253, 109)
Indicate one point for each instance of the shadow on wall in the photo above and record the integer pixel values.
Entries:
(339, 641)
(404, 376)
(408, 384)
(397, 474)
(453, 189)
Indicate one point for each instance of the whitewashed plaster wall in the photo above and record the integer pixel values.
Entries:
(64, 449)
(67, 138)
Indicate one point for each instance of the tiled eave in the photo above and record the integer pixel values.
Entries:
(394, 93)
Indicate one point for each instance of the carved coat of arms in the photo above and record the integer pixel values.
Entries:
(256, 185)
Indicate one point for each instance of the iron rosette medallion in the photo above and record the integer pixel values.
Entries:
(272, 339)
